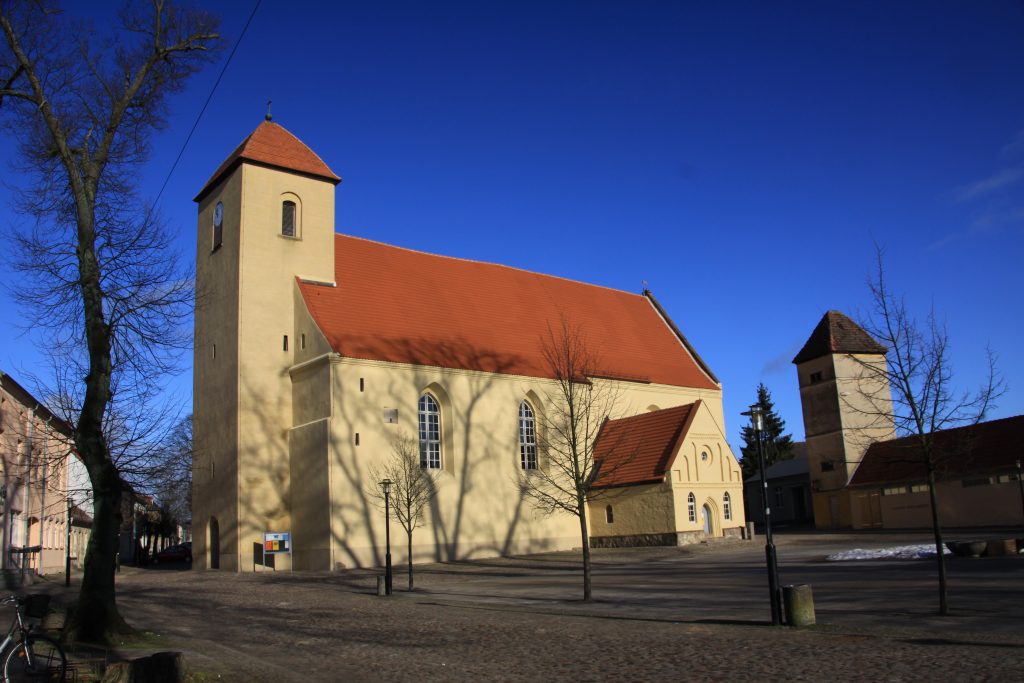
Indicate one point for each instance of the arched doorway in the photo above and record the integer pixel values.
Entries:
(213, 544)
(706, 511)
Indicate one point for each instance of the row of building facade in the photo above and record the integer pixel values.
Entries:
(46, 495)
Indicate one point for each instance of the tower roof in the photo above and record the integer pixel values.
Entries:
(274, 146)
(836, 333)
(404, 306)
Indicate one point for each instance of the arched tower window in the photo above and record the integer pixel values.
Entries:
(527, 437)
(727, 506)
(288, 218)
(691, 508)
(430, 433)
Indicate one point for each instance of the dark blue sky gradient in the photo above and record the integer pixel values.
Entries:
(740, 157)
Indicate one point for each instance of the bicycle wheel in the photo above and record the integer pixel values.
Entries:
(36, 658)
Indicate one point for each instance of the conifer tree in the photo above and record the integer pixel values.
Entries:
(777, 446)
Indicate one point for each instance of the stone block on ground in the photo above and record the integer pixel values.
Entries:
(160, 667)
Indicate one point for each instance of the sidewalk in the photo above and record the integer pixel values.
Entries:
(694, 613)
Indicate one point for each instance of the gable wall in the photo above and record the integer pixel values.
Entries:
(709, 479)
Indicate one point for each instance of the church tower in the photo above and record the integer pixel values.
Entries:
(266, 217)
(846, 407)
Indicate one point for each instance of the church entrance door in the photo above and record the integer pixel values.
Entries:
(707, 520)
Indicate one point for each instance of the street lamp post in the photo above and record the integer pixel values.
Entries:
(757, 422)
(1020, 484)
(386, 485)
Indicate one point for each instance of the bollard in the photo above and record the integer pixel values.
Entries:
(799, 601)
(382, 589)
(750, 531)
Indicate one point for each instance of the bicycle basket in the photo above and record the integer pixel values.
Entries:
(36, 606)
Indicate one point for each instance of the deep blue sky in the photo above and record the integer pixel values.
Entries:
(740, 157)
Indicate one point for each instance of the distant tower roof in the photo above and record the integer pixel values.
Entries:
(837, 334)
(271, 145)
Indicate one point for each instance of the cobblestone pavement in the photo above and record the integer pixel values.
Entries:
(661, 614)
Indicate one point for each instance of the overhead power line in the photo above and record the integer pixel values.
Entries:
(207, 103)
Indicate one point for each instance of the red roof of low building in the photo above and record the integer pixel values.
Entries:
(271, 145)
(836, 333)
(405, 306)
(641, 449)
(986, 448)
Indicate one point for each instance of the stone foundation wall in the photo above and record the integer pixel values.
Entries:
(672, 539)
(632, 541)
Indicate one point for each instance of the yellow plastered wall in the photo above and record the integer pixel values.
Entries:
(636, 511)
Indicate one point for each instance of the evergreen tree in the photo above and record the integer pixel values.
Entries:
(777, 446)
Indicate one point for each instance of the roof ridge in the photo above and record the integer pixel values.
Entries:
(486, 263)
(649, 413)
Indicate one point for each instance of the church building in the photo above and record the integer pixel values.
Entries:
(315, 350)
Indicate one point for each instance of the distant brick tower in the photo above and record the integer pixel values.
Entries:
(846, 408)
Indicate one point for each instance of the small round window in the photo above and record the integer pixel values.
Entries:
(704, 456)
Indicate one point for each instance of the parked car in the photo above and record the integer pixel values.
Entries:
(175, 553)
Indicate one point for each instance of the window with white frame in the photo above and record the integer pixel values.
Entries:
(430, 433)
(691, 508)
(727, 506)
(527, 437)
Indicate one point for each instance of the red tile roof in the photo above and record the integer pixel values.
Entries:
(986, 448)
(404, 306)
(640, 449)
(837, 334)
(271, 145)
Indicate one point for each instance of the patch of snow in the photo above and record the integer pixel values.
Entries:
(920, 551)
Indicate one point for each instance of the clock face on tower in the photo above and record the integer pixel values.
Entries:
(218, 214)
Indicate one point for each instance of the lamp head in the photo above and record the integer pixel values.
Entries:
(386, 485)
(756, 417)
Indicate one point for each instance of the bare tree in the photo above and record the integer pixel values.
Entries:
(172, 480)
(914, 395)
(575, 410)
(100, 273)
(412, 487)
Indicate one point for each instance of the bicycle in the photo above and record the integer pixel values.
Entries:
(32, 657)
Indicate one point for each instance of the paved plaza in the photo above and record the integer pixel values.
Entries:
(695, 613)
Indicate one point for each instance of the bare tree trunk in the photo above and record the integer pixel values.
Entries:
(409, 557)
(96, 617)
(585, 536)
(939, 546)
